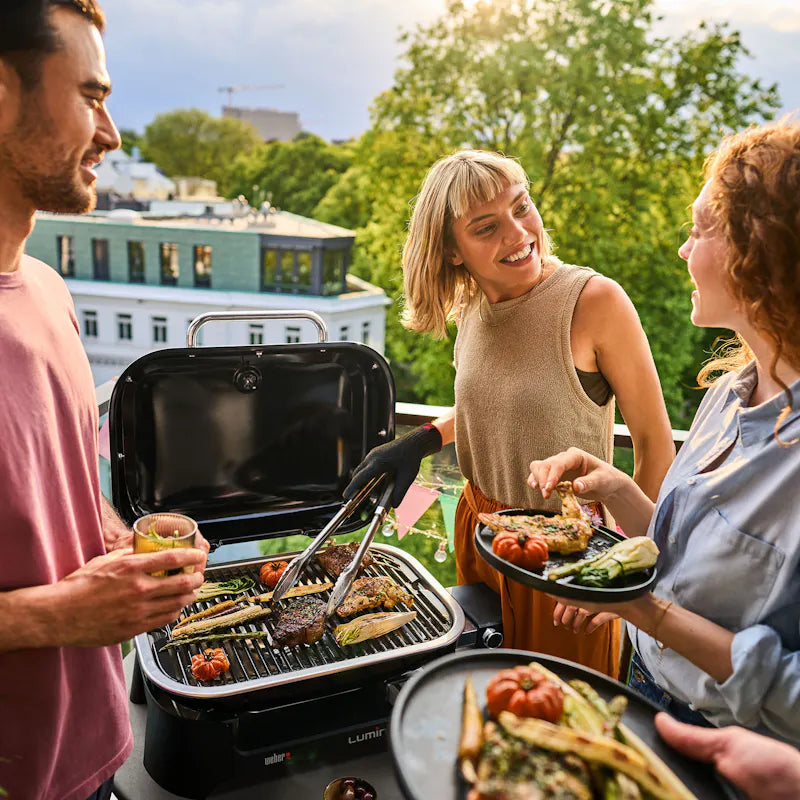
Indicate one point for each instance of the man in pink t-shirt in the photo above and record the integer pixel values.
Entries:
(70, 587)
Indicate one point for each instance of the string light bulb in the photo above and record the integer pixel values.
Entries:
(441, 553)
(388, 529)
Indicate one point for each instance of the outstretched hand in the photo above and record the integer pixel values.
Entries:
(763, 768)
(591, 478)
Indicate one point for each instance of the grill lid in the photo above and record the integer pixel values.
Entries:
(250, 441)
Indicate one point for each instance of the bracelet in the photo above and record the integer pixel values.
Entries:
(658, 625)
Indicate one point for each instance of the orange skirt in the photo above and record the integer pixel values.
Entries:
(527, 613)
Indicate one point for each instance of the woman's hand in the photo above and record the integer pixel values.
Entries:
(592, 478)
(579, 619)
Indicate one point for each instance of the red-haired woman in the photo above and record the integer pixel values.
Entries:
(719, 638)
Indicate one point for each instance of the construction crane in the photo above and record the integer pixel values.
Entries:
(231, 89)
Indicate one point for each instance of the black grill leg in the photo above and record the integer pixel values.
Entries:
(137, 684)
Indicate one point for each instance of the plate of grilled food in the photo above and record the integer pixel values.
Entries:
(567, 554)
(514, 725)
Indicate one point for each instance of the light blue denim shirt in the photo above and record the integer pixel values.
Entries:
(730, 551)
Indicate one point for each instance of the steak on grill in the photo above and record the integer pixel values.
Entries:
(300, 620)
(336, 557)
(372, 593)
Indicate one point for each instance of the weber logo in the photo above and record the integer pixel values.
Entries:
(277, 758)
(366, 736)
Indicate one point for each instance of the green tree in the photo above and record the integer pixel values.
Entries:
(130, 139)
(293, 176)
(192, 142)
(610, 121)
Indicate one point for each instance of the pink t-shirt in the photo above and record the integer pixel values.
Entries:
(64, 725)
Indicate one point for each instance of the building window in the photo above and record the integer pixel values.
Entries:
(302, 274)
(100, 266)
(124, 327)
(90, 324)
(270, 270)
(202, 266)
(66, 256)
(365, 332)
(256, 334)
(159, 330)
(169, 264)
(344, 333)
(292, 334)
(136, 262)
(333, 271)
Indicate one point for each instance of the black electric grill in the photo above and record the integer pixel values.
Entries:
(256, 665)
(256, 442)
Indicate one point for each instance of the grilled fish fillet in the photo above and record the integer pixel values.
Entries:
(373, 593)
(565, 533)
(511, 769)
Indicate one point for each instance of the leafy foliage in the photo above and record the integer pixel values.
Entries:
(293, 176)
(130, 139)
(611, 123)
(192, 142)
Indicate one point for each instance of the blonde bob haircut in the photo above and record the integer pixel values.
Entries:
(435, 289)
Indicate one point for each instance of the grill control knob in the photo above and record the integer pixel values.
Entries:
(247, 379)
(492, 638)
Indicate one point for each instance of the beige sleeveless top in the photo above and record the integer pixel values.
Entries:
(517, 395)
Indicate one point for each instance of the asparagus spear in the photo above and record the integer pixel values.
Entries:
(214, 637)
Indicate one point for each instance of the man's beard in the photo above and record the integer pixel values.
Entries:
(43, 172)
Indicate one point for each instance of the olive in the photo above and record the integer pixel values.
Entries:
(348, 793)
(349, 783)
(368, 796)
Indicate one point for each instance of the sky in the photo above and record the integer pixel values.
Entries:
(330, 58)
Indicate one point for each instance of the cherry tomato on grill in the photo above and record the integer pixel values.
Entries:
(271, 572)
(528, 551)
(210, 664)
(525, 692)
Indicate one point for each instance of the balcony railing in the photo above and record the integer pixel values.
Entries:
(440, 471)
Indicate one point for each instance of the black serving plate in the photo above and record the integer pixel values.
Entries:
(625, 588)
(426, 724)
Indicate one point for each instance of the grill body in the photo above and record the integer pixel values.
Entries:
(276, 707)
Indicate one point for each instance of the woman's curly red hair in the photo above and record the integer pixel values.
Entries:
(755, 205)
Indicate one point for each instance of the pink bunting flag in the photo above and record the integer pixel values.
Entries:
(417, 501)
(104, 441)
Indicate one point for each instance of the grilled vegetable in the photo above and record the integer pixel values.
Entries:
(295, 591)
(598, 749)
(270, 573)
(471, 742)
(219, 608)
(623, 558)
(239, 617)
(627, 736)
(210, 664)
(528, 551)
(370, 626)
(211, 589)
(526, 693)
(214, 637)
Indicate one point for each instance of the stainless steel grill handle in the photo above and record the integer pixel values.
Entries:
(217, 316)
(298, 563)
(345, 581)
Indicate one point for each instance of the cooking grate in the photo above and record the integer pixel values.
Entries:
(255, 663)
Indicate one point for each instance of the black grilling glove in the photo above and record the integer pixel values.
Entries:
(400, 458)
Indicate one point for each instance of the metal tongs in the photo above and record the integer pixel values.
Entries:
(298, 563)
(345, 581)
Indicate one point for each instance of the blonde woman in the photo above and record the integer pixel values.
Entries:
(543, 348)
(719, 639)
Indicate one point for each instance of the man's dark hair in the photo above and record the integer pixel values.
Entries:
(27, 35)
